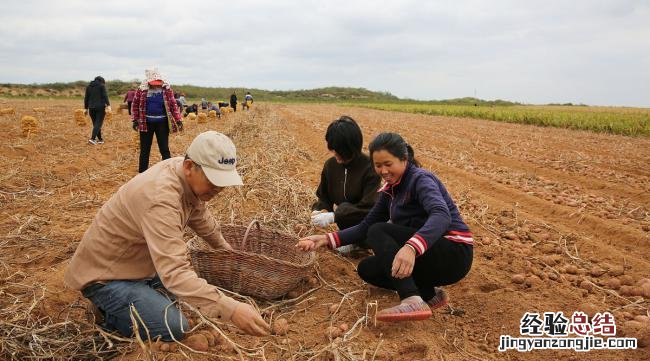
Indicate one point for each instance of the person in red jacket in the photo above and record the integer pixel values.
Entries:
(128, 99)
(155, 112)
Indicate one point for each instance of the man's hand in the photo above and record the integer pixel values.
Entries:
(249, 320)
(311, 243)
(108, 109)
(85, 112)
(135, 125)
(403, 262)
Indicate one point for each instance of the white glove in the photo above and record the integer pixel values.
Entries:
(322, 219)
(108, 109)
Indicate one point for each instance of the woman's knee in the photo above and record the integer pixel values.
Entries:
(371, 271)
(367, 269)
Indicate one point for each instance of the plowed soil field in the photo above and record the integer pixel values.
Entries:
(561, 221)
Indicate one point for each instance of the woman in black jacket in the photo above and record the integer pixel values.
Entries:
(348, 185)
(96, 104)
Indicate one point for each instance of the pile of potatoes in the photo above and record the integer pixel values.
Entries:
(7, 111)
(80, 117)
(29, 125)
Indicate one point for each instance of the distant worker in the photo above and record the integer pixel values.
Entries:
(194, 108)
(177, 99)
(248, 100)
(128, 99)
(215, 108)
(233, 101)
(204, 104)
(155, 112)
(96, 104)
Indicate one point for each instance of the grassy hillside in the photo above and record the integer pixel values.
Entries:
(117, 89)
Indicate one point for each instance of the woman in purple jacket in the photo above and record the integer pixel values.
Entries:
(419, 240)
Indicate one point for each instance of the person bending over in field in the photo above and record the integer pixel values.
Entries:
(418, 237)
(133, 254)
(194, 108)
(348, 184)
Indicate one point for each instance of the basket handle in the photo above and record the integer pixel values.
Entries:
(248, 229)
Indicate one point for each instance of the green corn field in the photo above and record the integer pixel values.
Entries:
(624, 121)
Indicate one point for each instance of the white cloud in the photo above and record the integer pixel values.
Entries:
(595, 52)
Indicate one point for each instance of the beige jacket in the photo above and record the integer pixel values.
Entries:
(139, 232)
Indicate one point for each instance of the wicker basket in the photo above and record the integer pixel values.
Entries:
(264, 264)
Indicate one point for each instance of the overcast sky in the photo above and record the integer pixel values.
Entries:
(586, 51)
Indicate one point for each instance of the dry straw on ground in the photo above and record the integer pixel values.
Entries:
(135, 141)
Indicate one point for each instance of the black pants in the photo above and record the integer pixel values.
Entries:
(444, 263)
(234, 106)
(161, 130)
(97, 115)
(128, 106)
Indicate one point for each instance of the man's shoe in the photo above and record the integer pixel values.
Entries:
(439, 300)
(92, 142)
(101, 141)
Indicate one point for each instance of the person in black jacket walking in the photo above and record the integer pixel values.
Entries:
(348, 185)
(96, 104)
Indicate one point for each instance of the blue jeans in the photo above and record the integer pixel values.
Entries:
(149, 297)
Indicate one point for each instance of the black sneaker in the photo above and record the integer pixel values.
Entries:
(92, 142)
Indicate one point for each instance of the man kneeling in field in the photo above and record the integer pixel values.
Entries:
(134, 253)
